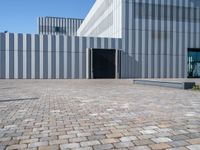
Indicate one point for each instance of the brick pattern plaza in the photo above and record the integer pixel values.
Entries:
(97, 115)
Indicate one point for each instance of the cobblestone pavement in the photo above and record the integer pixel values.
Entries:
(97, 114)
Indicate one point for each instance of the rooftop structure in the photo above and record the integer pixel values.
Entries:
(57, 25)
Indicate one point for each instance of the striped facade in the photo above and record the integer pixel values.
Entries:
(56, 25)
(26, 56)
(157, 35)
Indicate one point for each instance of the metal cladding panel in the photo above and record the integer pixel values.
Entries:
(33, 52)
(95, 42)
(53, 57)
(69, 57)
(25, 62)
(2, 56)
(49, 56)
(28, 67)
(20, 55)
(105, 43)
(82, 61)
(45, 57)
(80, 57)
(61, 58)
(98, 42)
(77, 53)
(11, 56)
(16, 53)
(7, 55)
(75, 58)
(57, 51)
(37, 56)
(41, 53)
(109, 43)
(92, 43)
(65, 57)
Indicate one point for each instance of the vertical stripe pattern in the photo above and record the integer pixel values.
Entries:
(156, 37)
(56, 25)
(25, 56)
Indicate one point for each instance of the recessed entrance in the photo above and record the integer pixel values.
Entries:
(103, 63)
(193, 63)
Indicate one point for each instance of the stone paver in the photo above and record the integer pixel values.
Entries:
(97, 115)
(178, 143)
(193, 147)
(123, 144)
(128, 138)
(103, 147)
(194, 141)
(161, 140)
(108, 141)
(90, 143)
(37, 144)
(178, 148)
(83, 148)
(141, 148)
(13, 147)
(148, 131)
(69, 146)
(143, 142)
(160, 146)
(48, 148)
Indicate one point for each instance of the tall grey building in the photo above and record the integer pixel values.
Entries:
(160, 38)
(57, 25)
(117, 39)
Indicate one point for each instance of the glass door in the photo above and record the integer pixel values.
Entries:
(194, 63)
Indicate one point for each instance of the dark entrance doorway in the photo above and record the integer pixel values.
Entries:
(103, 63)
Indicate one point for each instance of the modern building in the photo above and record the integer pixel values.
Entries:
(56, 25)
(157, 35)
(117, 39)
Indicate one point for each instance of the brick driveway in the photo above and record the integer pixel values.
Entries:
(98, 114)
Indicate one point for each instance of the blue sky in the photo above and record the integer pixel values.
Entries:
(21, 15)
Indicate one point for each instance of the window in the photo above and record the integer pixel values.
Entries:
(194, 63)
(57, 29)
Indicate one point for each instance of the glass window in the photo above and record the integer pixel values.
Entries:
(57, 29)
(194, 63)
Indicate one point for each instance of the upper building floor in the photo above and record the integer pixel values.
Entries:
(103, 20)
(57, 25)
(110, 18)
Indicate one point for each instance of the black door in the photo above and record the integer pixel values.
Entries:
(103, 63)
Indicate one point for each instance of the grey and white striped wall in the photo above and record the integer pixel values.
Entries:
(28, 56)
(157, 35)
